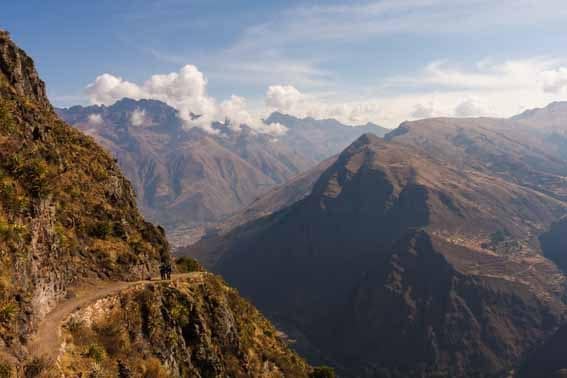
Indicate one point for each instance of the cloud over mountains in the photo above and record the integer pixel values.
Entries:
(186, 91)
(486, 88)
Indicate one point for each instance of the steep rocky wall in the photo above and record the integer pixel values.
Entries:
(67, 214)
(18, 68)
(193, 328)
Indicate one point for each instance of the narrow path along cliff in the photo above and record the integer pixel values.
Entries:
(47, 341)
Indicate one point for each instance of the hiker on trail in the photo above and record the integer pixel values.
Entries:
(168, 271)
(162, 271)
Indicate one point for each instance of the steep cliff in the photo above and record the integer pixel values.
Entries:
(66, 211)
(69, 226)
(198, 327)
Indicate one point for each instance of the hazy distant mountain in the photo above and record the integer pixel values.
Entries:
(550, 121)
(414, 255)
(320, 139)
(180, 176)
(186, 179)
(553, 116)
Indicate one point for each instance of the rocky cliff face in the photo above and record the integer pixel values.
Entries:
(18, 70)
(68, 220)
(66, 211)
(199, 328)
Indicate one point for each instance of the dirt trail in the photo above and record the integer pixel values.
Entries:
(47, 341)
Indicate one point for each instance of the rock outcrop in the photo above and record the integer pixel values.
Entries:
(18, 70)
(199, 328)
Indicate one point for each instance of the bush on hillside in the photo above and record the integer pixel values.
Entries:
(188, 264)
(322, 372)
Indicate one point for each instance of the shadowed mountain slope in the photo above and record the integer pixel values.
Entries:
(428, 239)
(276, 199)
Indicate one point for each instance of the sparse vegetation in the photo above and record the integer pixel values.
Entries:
(188, 264)
(5, 370)
(96, 352)
(100, 230)
(60, 189)
(8, 312)
(322, 372)
(498, 237)
(37, 366)
(162, 319)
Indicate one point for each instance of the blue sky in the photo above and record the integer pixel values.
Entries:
(382, 61)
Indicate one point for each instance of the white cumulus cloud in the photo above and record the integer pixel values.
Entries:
(186, 91)
(107, 89)
(138, 117)
(284, 98)
(288, 99)
(439, 89)
(555, 80)
(235, 111)
(423, 111)
(471, 107)
(95, 119)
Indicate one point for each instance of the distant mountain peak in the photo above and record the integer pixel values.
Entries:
(292, 121)
(551, 117)
(552, 107)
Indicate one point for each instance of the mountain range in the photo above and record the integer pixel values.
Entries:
(436, 251)
(189, 179)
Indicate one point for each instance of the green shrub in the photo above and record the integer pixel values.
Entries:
(180, 312)
(74, 325)
(188, 264)
(7, 312)
(5, 370)
(119, 231)
(498, 237)
(322, 372)
(36, 367)
(96, 352)
(124, 370)
(100, 230)
(112, 337)
(5, 231)
(36, 174)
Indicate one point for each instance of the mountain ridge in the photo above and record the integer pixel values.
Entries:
(461, 195)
